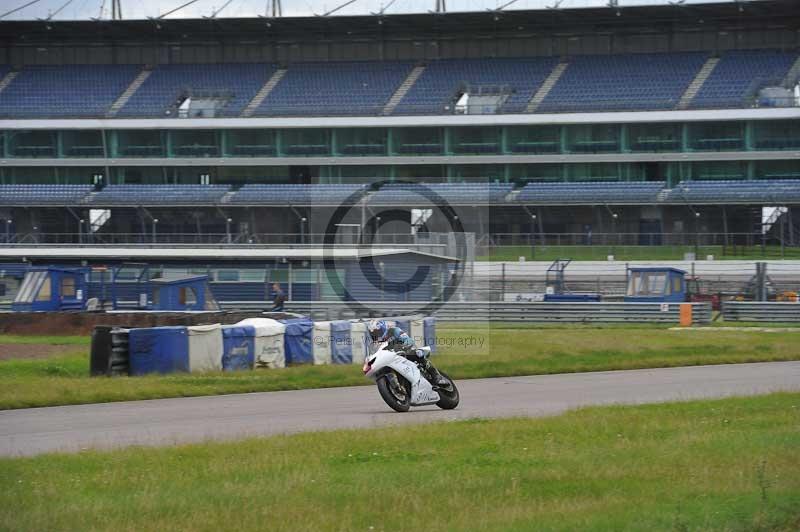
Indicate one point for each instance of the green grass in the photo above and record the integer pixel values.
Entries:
(626, 253)
(506, 350)
(728, 465)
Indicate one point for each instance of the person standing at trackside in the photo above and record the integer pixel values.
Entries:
(280, 298)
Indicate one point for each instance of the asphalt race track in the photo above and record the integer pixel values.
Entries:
(168, 421)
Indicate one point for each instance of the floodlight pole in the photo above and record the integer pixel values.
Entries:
(277, 9)
(441, 6)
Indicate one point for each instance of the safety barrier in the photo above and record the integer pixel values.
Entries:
(498, 311)
(761, 311)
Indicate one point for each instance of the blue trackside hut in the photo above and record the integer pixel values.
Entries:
(656, 285)
(51, 289)
(185, 293)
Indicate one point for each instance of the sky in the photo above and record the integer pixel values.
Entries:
(137, 9)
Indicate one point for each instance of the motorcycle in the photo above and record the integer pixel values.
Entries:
(402, 384)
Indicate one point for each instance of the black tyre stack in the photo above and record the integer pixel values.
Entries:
(109, 353)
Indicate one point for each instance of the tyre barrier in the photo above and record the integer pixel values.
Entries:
(252, 343)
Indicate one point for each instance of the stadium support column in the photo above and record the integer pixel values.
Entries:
(279, 142)
(168, 135)
(685, 137)
(748, 136)
(224, 143)
(725, 230)
(448, 141)
(390, 142)
(333, 141)
(59, 137)
(624, 140)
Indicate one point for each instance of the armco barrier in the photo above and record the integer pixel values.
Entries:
(498, 311)
(761, 311)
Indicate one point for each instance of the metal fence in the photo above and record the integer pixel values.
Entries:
(761, 311)
(498, 311)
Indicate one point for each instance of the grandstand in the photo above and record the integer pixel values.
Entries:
(667, 119)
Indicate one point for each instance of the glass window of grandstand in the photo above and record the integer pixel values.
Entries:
(361, 141)
(716, 136)
(595, 172)
(27, 143)
(82, 143)
(593, 138)
(780, 135)
(50, 175)
(418, 141)
(475, 140)
(250, 143)
(536, 173)
(654, 137)
(719, 170)
(355, 174)
(194, 143)
(534, 139)
(305, 142)
(160, 175)
(243, 175)
(652, 171)
(422, 173)
(139, 143)
(331, 286)
(476, 173)
(778, 169)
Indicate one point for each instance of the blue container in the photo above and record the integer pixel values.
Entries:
(429, 328)
(298, 341)
(238, 344)
(158, 350)
(341, 343)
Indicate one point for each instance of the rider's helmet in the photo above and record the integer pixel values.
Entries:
(377, 328)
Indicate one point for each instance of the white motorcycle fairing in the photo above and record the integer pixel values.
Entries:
(422, 393)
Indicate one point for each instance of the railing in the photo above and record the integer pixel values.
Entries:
(148, 239)
(499, 311)
(574, 106)
(762, 311)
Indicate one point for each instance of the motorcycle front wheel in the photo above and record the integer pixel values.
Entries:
(395, 392)
(448, 396)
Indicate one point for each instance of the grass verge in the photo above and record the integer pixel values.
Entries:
(465, 351)
(727, 465)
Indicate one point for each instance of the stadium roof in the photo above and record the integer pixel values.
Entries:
(208, 253)
(784, 13)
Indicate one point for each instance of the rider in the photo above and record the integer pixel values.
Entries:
(401, 343)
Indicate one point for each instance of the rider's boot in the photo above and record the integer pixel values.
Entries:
(436, 377)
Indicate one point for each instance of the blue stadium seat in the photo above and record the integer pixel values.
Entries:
(623, 82)
(441, 193)
(337, 88)
(168, 83)
(436, 88)
(738, 76)
(775, 191)
(65, 91)
(298, 194)
(43, 194)
(592, 192)
(159, 194)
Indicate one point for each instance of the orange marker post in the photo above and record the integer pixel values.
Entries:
(686, 315)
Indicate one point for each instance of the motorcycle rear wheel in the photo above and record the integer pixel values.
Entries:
(448, 397)
(398, 400)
